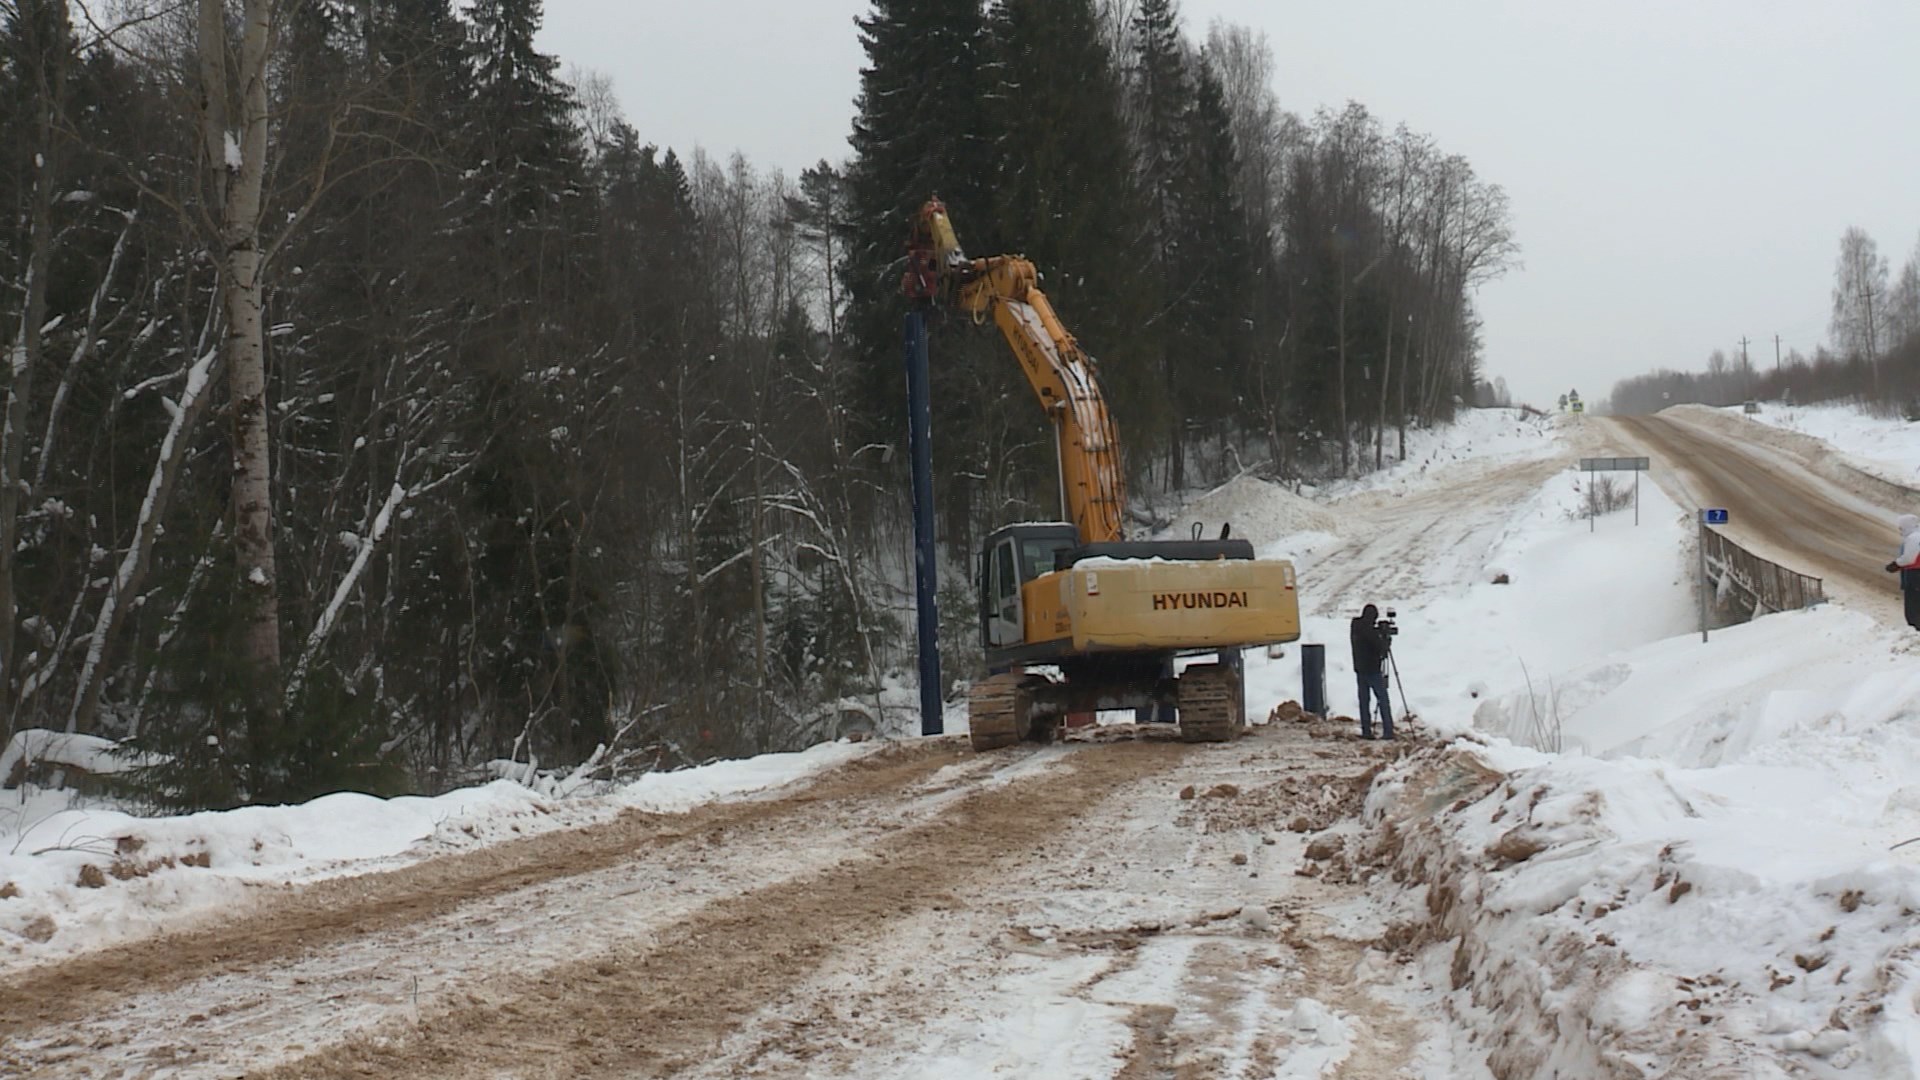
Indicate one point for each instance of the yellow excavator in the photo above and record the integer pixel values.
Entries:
(1074, 618)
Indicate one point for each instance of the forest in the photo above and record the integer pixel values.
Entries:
(1872, 355)
(383, 408)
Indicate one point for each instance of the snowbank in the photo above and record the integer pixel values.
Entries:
(1632, 918)
(1477, 436)
(1884, 447)
(74, 878)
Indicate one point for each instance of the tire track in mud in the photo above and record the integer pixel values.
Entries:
(661, 1006)
(301, 920)
(1129, 935)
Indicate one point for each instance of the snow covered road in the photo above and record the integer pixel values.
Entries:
(1779, 507)
(1056, 912)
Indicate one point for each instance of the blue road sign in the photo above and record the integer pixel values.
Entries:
(1714, 517)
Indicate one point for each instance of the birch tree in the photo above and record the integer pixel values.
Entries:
(234, 121)
(1859, 324)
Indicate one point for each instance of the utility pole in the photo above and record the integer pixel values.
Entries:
(1776, 354)
(1746, 370)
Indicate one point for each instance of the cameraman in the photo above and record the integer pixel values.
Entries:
(1372, 637)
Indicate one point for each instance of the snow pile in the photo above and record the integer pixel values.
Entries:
(1885, 447)
(1613, 916)
(35, 749)
(1477, 436)
(74, 878)
(1259, 511)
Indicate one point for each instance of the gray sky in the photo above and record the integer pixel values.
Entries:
(1681, 170)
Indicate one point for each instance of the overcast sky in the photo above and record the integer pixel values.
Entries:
(1681, 170)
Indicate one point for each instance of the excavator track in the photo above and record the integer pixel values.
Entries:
(1210, 703)
(998, 711)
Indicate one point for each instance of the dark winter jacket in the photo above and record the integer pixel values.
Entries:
(1370, 643)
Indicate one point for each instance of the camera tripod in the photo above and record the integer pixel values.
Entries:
(1405, 710)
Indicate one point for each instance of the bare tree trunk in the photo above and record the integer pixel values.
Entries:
(133, 565)
(240, 171)
(1386, 380)
(48, 59)
(1406, 369)
(82, 352)
(1340, 375)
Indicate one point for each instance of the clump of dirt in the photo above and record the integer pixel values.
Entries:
(1517, 845)
(9, 890)
(92, 878)
(1305, 801)
(1289, 712)
(40, 930)
(1326, 847)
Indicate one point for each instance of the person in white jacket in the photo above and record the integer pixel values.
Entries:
(1907, 565)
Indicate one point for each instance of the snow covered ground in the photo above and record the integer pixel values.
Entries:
(1634, 853)
(1886, 447)
(1636, 825)
(77, 876)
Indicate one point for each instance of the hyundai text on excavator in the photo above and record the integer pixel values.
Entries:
(1107, 614)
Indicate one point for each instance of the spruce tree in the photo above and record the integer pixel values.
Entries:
(1064, 195)
(919, 129)
(1215, 265)
(1163, 96)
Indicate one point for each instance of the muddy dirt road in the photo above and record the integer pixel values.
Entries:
(1779, 505)
(1044, 911)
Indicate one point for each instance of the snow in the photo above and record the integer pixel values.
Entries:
(88, 753)
(1477, 437)
(1573, 592)
(1628, 826)
(234, 160)
(1259, 511)
(1724, 813)
(47, 838)
(1886, 447)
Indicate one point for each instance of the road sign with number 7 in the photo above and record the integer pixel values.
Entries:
(1714, 517)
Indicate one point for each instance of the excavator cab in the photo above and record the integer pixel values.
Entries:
(1009, 558)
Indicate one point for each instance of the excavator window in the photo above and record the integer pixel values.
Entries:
(1006, 584)
(1037, 554)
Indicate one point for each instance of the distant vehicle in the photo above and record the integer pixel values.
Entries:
(1750, 407)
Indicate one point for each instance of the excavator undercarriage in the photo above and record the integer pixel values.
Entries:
(1208, 697)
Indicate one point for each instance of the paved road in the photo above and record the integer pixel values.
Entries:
(1779, 507)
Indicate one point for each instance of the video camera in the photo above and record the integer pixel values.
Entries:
(1388, 625)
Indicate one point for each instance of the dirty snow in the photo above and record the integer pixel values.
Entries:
(184, 867)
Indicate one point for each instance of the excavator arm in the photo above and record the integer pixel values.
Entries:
(1006, 289)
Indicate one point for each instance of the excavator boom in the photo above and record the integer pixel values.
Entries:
(1006, 288)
